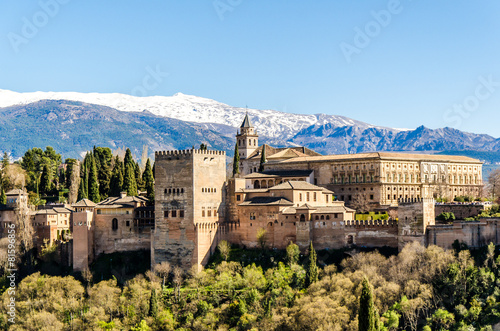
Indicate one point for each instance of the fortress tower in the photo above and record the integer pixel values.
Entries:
(247, 139)
(189, 206)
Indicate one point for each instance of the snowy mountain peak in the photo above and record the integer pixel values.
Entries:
(191, 108)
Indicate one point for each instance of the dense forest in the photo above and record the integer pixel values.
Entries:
(418, 289)
(99, 175)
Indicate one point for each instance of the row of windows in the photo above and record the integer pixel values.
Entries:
(402, 178)
(349, 197)
(395, 197)
(308, 196)
(208, 212)
(353, 179)
(350, 167)
(173, 213)
(251, 142)
(174, 191)
(208, 190)
(113, 211)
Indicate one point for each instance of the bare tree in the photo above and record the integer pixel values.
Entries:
(360, 203)
(494, 184)
(393, 214)
(74, 183)
(224, 249)
(163, 270)
(178, 278)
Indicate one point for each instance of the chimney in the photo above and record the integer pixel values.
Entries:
(123, 194)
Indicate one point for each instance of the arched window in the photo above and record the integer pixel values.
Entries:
(256, 184)
(114, 224)
(317, 217)
(302, 218)
(322, 217)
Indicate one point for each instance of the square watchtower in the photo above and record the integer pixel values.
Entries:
(189, 206)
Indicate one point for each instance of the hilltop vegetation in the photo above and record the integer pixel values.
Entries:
(420, 288)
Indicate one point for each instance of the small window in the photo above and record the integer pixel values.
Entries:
(209, 213)
(127, 223)
(238, 197)
(181, 213)
(174, 213)
(165, 213)
(114, 224)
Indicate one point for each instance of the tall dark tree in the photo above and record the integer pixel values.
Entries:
(116, 183)
(103, 158)
(262, 158)
(138, 177)
(93, 182)
(3, 197)
(154, 166)
(312, 267)
(46, 180)
(129, 183)
(203, 147)
(81, 190)
(149, 182)
(62, 178)
(128, 157)
(366, 315)
(70, 166)
(236, 161)
(153, 304)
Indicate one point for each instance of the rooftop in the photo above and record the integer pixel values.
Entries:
(279, 201)
(84, 203)
(384, 156)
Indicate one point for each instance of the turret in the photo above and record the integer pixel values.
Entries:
(247, 138)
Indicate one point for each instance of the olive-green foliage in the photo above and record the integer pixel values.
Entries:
(366, 315)
(443, 289)
(116, 184)
(149, 182)
(3, 197)
(262, 158)
(292, 253)
(312, 267)
(447, 217)
(236, 160)
(93, 185)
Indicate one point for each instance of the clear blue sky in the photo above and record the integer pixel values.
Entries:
(286, 55)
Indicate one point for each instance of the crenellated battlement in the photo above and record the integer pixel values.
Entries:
(409, 201)
(163, 155)
(372, 223)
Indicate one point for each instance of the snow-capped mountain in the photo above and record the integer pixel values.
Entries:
(270, 123)
(74, 122)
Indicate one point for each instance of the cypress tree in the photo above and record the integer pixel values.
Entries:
(262, 158)
(236, 161)
(128, 157)
(154, 166)
(366, 315)
(116, 184)
(129, 183)
(153, 304)
(46, 180)
(138, 177)
(312, 268)
(93, 183)
(149, 182)
(81, 190)
(3, 197)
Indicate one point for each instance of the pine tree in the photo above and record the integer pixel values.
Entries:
(366, 315)
(236, 161)
(153, 304)
(3, 197)
(103, 157)
(116, 183)
(312, 268)
(129, 183)
(262, 158)
(149, 182)
(93, 183)
(46, 180)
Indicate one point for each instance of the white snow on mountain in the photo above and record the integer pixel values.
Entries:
(270, 123)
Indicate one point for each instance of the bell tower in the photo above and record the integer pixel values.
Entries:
(247, 139)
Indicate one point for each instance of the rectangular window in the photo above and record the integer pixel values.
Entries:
(238, 197)
(307, 196)
(371, 196)
(314, 196)
(165, 213)
(181, 213)
(174, 213)
(209, 213)
(127, 223)
(300, 196)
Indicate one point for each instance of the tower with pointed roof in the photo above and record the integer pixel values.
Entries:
(247, 138)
